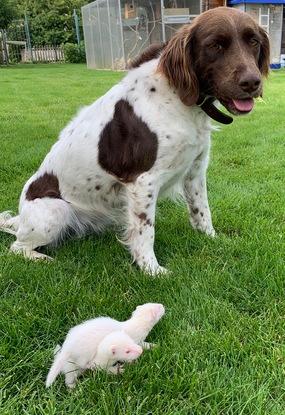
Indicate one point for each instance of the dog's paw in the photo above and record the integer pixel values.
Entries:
(210, 232)
(155, 271)
(204, 228)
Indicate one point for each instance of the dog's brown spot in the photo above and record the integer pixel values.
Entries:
(142, 216)
(152, 89)
(98, 187)
(202, 214)
(149, 195)
(195, 211)
(127, 147)
(148, 222)
(44, 186)
(152, 52)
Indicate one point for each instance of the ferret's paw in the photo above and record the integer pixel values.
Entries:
(148, 346)
(113, 370)
(120, 370)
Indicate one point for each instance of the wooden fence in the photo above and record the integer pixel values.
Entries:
(43, 54)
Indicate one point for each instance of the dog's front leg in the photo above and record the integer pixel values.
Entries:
(140, 218)
(195, 190)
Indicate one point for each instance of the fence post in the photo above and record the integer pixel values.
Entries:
(76, 22)
(5, 49)
(55, 54)
(28, 37)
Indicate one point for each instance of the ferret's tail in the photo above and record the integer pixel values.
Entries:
(57, 365)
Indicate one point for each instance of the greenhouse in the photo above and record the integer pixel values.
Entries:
(117, 30)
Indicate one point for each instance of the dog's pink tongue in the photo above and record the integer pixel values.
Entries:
(244, 105)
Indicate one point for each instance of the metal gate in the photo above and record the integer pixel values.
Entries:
(15, 42)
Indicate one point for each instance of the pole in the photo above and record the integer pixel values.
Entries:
(110, 34)
(76, 26)
(100, 36)
(121, 33)
(162, 20)
(28, 37)
(5, 50)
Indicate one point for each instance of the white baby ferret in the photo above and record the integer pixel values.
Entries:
(89, 344)
(81, 351)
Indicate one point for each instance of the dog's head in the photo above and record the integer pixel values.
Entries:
(223, 54)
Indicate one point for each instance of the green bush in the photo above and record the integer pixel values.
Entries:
(74, 53)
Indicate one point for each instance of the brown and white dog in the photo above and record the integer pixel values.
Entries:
(149, 136)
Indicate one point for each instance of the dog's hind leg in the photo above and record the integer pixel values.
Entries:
(42, 222)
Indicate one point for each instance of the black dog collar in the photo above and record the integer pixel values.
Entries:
(207, 105)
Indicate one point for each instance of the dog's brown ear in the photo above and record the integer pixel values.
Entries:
(176, 63)
(264, 56)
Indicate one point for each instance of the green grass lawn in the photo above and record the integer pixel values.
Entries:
(222, 341)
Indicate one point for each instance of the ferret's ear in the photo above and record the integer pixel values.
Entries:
(113, 349)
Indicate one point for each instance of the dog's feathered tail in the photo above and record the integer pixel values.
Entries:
(9, 223)
(60, 358)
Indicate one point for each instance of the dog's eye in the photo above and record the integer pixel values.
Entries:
(219, 46)
(253, 41)
(216, 46)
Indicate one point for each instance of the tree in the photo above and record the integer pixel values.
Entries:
(50, 21)
(8, 12)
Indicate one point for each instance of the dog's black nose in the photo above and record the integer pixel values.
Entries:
(249, 83)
